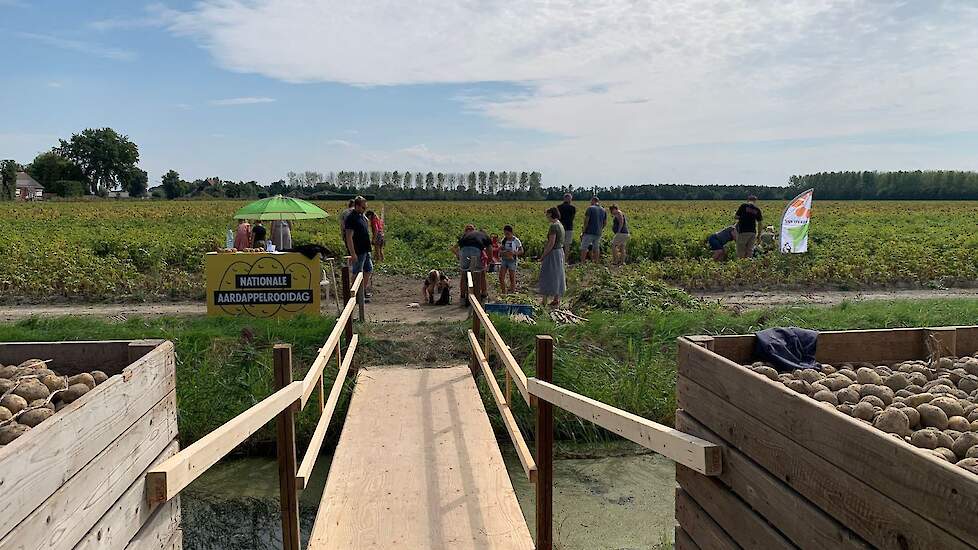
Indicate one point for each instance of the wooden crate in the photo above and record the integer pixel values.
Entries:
(799, 475)
(77, 480)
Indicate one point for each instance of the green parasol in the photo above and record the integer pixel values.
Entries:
(280, 208)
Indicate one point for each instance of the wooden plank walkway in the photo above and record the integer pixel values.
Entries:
(417, 467)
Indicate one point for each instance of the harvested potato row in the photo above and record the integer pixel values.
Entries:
(30, 393)
(932, 405)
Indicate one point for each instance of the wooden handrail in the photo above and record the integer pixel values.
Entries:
(522, 450)
(502, 349)
(357, 281)
(311, 380)
(690, 451)
(316, 443)
(166, 480)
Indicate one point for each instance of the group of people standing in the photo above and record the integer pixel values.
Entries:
(595, 222)
(256, 236)
(362, 231)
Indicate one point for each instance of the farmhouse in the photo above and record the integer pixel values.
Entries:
(27, 188)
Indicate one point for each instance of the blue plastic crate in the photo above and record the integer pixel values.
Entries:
(509, 309)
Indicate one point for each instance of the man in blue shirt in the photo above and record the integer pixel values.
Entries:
(595, 218)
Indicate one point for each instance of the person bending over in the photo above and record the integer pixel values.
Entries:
(437, 284)
(719, 240)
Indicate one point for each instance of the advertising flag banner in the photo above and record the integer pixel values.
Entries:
(794, 224)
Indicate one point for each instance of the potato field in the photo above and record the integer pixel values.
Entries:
(143, 250)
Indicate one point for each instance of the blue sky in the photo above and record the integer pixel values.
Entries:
(607, 93)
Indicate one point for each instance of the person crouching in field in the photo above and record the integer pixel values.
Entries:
(552, 280)
(719, 240)
(510, 251)
(619, 244)
(437, 284)
(748, 218)
(377, 229)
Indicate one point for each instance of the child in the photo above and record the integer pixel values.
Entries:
(494, 254)
(512, 249)
(437, 283)
(377, 228)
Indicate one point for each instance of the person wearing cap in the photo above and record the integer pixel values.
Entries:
(595, 218)
(748, 218)
(468, 250)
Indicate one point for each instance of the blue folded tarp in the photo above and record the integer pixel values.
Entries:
(787, 349)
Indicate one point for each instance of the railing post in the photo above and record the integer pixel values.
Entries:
(361, 301)
(481, 286)
(545, 448)
(348, 329)
(285, 442)
(476, 329)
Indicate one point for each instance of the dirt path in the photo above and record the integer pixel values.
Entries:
(761, 299)
(396, 300)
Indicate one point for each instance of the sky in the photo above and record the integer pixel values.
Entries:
(604, 93)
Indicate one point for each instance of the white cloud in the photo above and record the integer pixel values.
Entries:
(55, 84)
(231, 101)
(340, 143)
(79, 46)
(620, 79)
(125, 23)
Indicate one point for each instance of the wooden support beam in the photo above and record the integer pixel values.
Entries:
(347, 294)
(319, 435)
(692, 452)
(700, 526)
(522, 449)
(509, 362)
(167, 480)
(285, 443)
(311, 381)
(545, 449)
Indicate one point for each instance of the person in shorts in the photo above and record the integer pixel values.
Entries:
(469, 250)
(437, 284)
(510, 250)
(377, 229)
(619, 244)
(595, 218)
(748, 218)
(718, 241)
(357, 230)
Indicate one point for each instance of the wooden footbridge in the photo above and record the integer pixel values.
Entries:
(418, 465)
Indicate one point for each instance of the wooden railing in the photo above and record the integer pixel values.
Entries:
(167, 479)
(542, 394)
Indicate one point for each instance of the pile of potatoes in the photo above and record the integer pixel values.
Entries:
(30, 393)
(932, 405)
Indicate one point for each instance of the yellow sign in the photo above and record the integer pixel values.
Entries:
(262, 284)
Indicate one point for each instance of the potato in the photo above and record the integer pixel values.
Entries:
(847, 395)
(948, 454)
(873, 400)
(12, 431)
(917, 379)
(767, 371)
(974, 426)
(932, 417)
(919, 399)
(970, 464)
(896, 382)
(968, 383)
(836, 383)
(14, 403)
(915, 388)
(893, 421)
(799, 386)
(31, 389)
(5, 414)
(939, 453)
(8, 372)
(868, 376)
(848, 373)
(73, 392)
(809, 375)
(945, 439)
(33, 364)
(958, 423)
(33, 417)
(54, 382)
(828, 369)
(924, 439)
(972, 452)
(99, 376)
(83, 378)
(826, 396)
(963, 443)
(913, 416)
(949, 405)
(845, 409)
(37, 403)
(6, 385)
(864, 411)
(945, 363)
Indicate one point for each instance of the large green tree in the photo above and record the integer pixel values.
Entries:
(136, 182)
(104, 156)
(173, 186)
(51, 170)
(8, 180)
